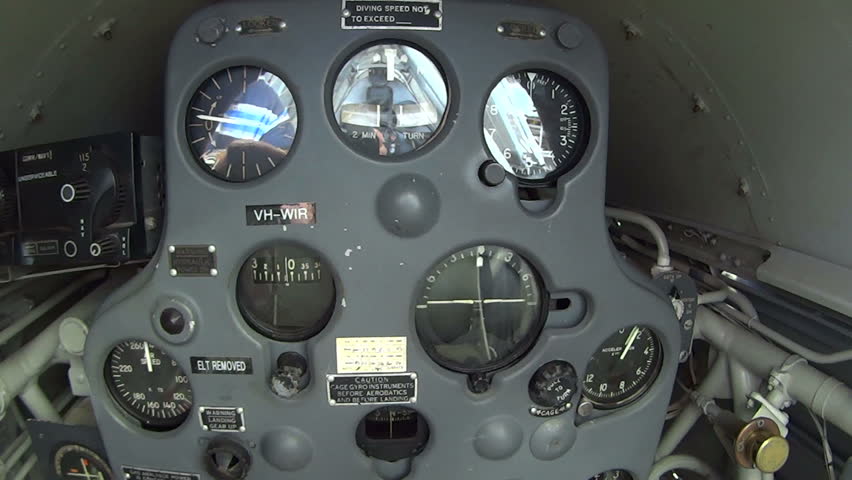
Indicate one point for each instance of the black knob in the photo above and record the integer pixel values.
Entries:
(478, 383)
(172, 321)
(291, 376)
(553, 385)
(226, 459)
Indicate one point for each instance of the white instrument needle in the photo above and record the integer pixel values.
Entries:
(630, 339)
(148, 358)
(233, 121)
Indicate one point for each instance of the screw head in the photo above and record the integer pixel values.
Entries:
(542, 33)
(214, 272)
(173, 272)
(437, 13)
(211, 249)
(282, 25)
(240, 410)
(238, 28)
(242, 429)
(332, 402)
(205, 427)
(347, 13)
(201, 409)
(171, 249)
(501, 29)
(683, 356)
(585, 408)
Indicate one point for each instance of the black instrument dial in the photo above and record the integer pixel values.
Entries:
(389, 99)
(536, 125)
(76, 462)
(148, 384)
(613, 475)
(480, 309)
(286, 292)
(623, 367)
(241, 123)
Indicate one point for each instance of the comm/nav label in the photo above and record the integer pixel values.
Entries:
(392, 14)
(398, 388)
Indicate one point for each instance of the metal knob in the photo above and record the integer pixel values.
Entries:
(760, 445)
(771, 453)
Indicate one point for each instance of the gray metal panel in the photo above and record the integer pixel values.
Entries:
(568, 244)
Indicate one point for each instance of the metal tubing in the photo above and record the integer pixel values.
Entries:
(25, 469)
(38, 404)
(743, 382)
(684, 462)
(795, 347)
(29, 361)
(824, 395)
(663, 257)
(20, 324)
(714, 386)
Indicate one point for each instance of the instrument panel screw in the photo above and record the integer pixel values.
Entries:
(683, 356)
(438, 14)
(282, 25)
(201, 409)
(242, 429)
(238, 28)
(211, 249)
(171, 249)
(240, 410)
(214, 272)
(205, 427)
(173, 272)
(347, 13)
(501, 29)
(542, 33)
(687, 325)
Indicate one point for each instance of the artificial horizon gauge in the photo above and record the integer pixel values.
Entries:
(389, 99)
(241, 123)
(480, 309)
(536, 125)
(623, 367)
(148, 384)
(76, 462)
(285, 292)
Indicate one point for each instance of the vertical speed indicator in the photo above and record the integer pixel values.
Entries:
(536, 125)
(148, 384)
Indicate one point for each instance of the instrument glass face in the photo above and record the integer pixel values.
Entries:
(623, 367)
(148, 384)
(76, 462)
(241, 123)
(536, 125)
(285, 292)
(480, 309)
(389, 99)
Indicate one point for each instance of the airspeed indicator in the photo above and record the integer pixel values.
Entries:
(148, 384)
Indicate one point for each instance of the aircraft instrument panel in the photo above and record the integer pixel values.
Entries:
(384, 256)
